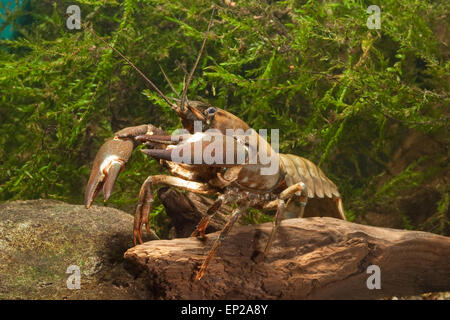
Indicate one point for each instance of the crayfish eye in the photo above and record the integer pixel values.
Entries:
(210, 111)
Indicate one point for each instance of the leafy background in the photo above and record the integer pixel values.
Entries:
(371, 107)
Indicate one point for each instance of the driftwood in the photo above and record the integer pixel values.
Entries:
(311, 258)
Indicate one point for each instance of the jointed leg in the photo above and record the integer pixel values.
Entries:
(203, 224)
(146, 199)
(142, 130)
(303, 200)
(234, 217)
(340, 207)
(276, 223)
(289, 194)
(296, 191)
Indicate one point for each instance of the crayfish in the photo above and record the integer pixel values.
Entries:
(287, 188)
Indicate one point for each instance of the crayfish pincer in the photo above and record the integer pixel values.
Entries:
(234, 162)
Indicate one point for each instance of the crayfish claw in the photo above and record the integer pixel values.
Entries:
(108, 163)
(92, 191)
(113, 172)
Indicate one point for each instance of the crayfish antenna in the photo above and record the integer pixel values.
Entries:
(134, 67)
(191, 74)
(169, 82)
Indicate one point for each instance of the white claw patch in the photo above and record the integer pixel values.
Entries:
(108, 162)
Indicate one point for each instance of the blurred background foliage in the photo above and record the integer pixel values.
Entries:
(370, 106)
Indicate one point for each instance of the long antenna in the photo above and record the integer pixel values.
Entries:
(169, 82)
(134, 67)
(185, 87)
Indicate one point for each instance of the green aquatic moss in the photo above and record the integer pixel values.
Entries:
(342, 95)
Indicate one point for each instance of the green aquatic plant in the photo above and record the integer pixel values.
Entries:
(342, 95)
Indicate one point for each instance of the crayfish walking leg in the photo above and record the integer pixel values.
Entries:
(146, 199)
(203, 224)
(289, 194)
(276, 223)
(243, 205)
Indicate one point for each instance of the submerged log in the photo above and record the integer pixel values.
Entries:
(311, 258)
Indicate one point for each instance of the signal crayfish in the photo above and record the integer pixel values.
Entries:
(241, 167)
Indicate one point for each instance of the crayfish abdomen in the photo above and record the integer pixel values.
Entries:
(322, 194)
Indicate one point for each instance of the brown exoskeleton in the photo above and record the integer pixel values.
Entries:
(286, 189)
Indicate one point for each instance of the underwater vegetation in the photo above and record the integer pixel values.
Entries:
(369, 106)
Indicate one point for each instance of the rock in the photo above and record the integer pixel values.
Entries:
(40, 239)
